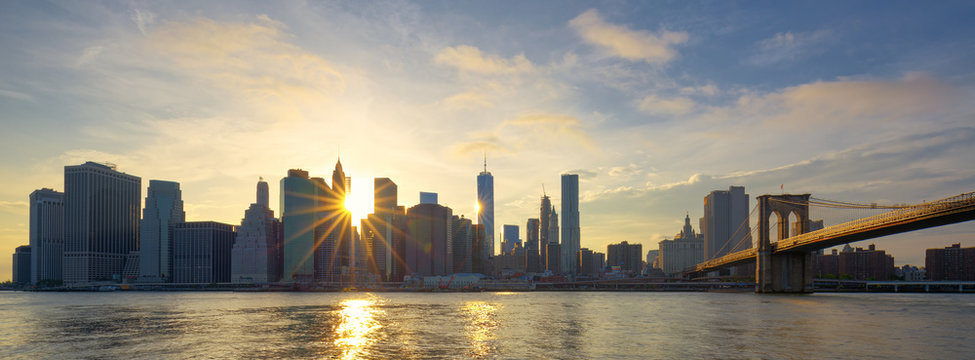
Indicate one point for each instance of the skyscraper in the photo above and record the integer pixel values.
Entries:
(101, 221)
(570, 222)
(545, 222)
(725, 224)
(385, 227)
(463, 237)
(202, 252)
(22, 265)
(429, 249)
(46, 235)
(531, 246)
(335, 257)
(299, 201)
(485, 203)
(256, 254)
(164, 209)
(629, 257)
(510, 240)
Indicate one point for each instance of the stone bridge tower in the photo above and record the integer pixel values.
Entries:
(786, 272)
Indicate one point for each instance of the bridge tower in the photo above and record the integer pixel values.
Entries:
(784, 272)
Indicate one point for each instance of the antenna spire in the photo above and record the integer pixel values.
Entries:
(543, 190)
(485, 161)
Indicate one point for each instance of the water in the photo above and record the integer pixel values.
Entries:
(572, 325)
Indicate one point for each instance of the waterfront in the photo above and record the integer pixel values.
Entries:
(492, 325)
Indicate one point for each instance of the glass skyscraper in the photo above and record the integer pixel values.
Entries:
(570, 222)
(46, 235)
(164, 208)
(101, 221)
(485, 203)
(298, 204)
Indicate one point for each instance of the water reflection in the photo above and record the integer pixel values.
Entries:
(358, 327)
(482, 323)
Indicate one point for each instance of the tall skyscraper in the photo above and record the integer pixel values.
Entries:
(725, 224)
(385, 228)
(46, 235)
(570, 222)
(256, 254)
(164, 209)
(429, 249)
(299, 201)
(202, 252)
(479, 260)
(336, 257)
(485, 203)
(544, 232)
(101, 221)
(510, 238)
(532, 258)
(463, 237)
(22, 265)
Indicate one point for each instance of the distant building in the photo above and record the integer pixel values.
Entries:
(911, 273)
(202, 252)
(428, 198)
(510, 238)
(46, 235)
(951, 263)
(586, 266)
(463, 240)
(485, 204)
(511, 263)
(598, 261)
(101, 222)
(685, 250)
(856, 264)
(554, 257)
(629, 257)
(532, 260)
(725, 223)
(429, 249)
(256, 256)
(21, 265)
(164, 209)
(386, 229)
(479, 259)
(299, 201)
(652, 258)
(570, 222)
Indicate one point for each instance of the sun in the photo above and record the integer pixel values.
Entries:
(359, 201)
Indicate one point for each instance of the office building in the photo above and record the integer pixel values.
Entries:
(256, 256)
(856, 264)
(953, 263)
(163, 209)
(335, 251)
(553, 261)
(22, 265)
(428, 198)
(686, 249)
(299, 202)
(586, 266)
(509, 238)
(429, 249)
(725, 222)
(485, 205)
(652, 258)
(202, 252)
(479, 259)
(386, 230)
(532, 260)
(544, 231)
(46, 235)
(101, 222)
(463, 240)
(570, 222)
(629, 257)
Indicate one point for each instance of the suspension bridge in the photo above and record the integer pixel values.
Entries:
(786, 264)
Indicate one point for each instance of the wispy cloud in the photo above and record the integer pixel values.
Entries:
(653, 104)
(16, 95)
(529, 131)
(654, 48)
(789, 46)
(142, 19)
(470, 59)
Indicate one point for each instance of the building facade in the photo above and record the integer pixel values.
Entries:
(510, 238)
(725, 223)
(485, 205)
(629, 257)
(46, 235)
(685, 250)
(856, 264)
(257, 254)
(532, 260)
(202, 252)
(463, 240)
(950, 263)
(299, 201)
(163, 209)
(570, 222)
(429, 249)
(101, 222)
(22, 265)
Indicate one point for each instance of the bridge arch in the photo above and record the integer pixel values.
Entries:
(782, 272)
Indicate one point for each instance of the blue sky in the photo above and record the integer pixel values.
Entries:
(654, 104)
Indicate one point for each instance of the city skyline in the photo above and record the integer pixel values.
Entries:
(689, 100)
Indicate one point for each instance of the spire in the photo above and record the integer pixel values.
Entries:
(338, 164)
(485, 161)
(543, 190)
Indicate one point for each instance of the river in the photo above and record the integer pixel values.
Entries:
(524, 325)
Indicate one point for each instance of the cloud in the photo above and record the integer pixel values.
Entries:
(557, 125)
(88, 55)
(16, 95)
(634, 45)
(583, 173)
(468, 100)
(529, 131)
(709, 90)
(790, 46)
(851, 102)
(142, 19)
(470, 59)
(652, 104)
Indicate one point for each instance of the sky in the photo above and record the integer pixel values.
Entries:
(654, 104)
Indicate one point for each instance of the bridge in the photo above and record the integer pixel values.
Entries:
(786, 265)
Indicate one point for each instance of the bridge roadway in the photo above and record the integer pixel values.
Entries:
(946, 211)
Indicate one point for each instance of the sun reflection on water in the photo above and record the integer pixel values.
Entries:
(482, 322)
(358, 327)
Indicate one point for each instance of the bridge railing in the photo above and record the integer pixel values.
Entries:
(916, 211)
(907, 213)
